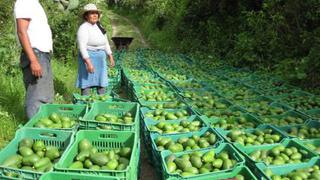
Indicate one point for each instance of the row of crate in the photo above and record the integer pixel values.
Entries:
(151, 135)
(67, 143)
(260, 85)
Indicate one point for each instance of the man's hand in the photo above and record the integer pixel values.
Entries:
(36, 69)
(22, 28)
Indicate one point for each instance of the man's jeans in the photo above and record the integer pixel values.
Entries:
(38, 90)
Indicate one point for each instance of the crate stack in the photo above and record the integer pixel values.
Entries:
(251, 111)
(97, 137)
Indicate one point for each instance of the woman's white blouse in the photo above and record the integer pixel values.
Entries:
(90, 37)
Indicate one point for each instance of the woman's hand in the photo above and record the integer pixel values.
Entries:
(89, 66)
(112, 63)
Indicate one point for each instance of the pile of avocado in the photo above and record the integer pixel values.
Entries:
(312, 147)
(200, 95)
(223, 114)
(175, 77)
(264, 109)
(232, 123)
(186, 143)
(162, 114)
(127, 118)
(112, 72)
(304, 132)
(280, 155)
(240, 93)
(187, 84)
(33, 156)
(146, 80)
(154, 87)
(209, 104)
(158, 96)
(257, 137)
(89, 157)
(56, 121)
(282, 121)
(167, 105)
(199, 163)
(306, 103)
(94, 98)
(311, 173)
(164, 127)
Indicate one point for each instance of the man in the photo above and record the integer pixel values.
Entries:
(35, 39)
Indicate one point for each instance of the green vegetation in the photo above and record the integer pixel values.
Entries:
(64, 25)
(277, 36)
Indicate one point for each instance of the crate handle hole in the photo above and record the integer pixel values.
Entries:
(108, 136)
(66, 108)
(50, 135)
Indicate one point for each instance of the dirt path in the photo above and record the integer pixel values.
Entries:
(123, 27)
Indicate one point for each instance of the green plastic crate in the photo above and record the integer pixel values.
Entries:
(60, 139)
(169, 92)
(68, 110)
(279, 118)
(278, 92)
(147, 133)
(74, 176)
(274, 105)
(287, 143)
(199, 92)
(103, 140)
(234, 96)
(309, 124)
(180, 103)
(115, 108)
(314, 114)
(264, 82)
(248, 117)
(313, 142)
(149, 123)
(181, 87)
(200, 110)
(224, 134)
(156, 153)
(213, 113)
(78, 99)
(242, 170)
(152, 79)
(145, 110)
(285, 169)
(144, 87)
(248, 102)
(294, 96)
(223, 147)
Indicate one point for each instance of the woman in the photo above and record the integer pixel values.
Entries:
(94, 46)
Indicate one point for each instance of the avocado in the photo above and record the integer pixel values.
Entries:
(84, 144)
(52, 152)
(99, 159)
(27, 142)
(196, 161)
(25, 151)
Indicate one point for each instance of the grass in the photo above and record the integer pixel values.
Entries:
(12, 110)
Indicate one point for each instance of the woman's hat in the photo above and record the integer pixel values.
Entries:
(90, 7)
